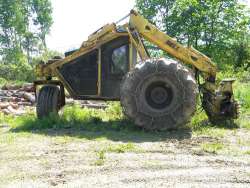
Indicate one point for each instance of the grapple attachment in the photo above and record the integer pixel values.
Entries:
(220, 105)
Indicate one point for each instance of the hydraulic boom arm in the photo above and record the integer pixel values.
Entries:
(185, 54)
(218, 102)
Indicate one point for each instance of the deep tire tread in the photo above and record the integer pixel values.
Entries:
(175, 72)
(47, 101)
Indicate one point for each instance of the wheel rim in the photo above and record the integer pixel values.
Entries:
(159, 95)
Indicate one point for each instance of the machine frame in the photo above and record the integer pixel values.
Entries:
(137, 30)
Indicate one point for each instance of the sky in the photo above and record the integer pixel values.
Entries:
(75, 20)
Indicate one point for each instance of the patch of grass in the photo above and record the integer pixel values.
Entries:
(114, 148)
(10, 138)
(242, 93)
(114, 110)
(63, 139)
(121, 148)
(202, 127)
(83, 123)
(7, 139)
(212, 147)
(101, 158)
(244, 120)
(212, 132)
(3, 81)
(247, 153)
(73, 117)
(243, 141)
(5, 119)
(199, 119)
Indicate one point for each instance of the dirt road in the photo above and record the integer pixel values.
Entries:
(69, 158)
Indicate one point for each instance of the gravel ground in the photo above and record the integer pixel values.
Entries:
(52, 160)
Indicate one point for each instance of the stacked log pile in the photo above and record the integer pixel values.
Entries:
(15, 98)
(93, 104)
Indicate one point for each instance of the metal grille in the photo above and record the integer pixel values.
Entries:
(82, 74)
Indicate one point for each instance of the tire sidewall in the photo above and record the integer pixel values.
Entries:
(175, 75)
(141, 99)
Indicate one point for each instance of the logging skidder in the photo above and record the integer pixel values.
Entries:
(156, 94)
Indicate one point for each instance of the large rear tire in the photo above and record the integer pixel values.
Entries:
(48, 101)
(159, 95)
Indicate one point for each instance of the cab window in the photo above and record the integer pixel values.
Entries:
(119, 60)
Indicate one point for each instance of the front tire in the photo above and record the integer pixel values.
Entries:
(48, 101)
(159, 95)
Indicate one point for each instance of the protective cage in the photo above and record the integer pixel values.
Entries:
(98, 73)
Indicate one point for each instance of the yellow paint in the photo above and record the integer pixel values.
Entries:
(172, 47)
(99, 83)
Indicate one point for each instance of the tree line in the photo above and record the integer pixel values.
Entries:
(218, 28)
(24, 25)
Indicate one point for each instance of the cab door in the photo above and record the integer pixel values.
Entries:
(115, 65)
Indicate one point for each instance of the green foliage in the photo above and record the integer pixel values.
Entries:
(101, 158)
(212, 147)
(114, 148)
(220, 29)
(76, 117)
(7, 139)
(202, 127)
(45, 56)
(114, 109)
(241, 49)
(23, 70)
(247, 153)
(24, 25)
(242, 93)
(121, 148)
(2, 81)
(14, 82)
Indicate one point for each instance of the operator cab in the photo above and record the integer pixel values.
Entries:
(84, 75)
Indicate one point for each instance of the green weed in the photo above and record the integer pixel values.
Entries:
(115, 148)
(247, 153)
(242, 93)
(101, 158)
(81, 122)
(7, 139)
(114, 110)
(200, 126)
(244, 122)
(121, 148)
(11, 82)
(2, 81)
(212, 147)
